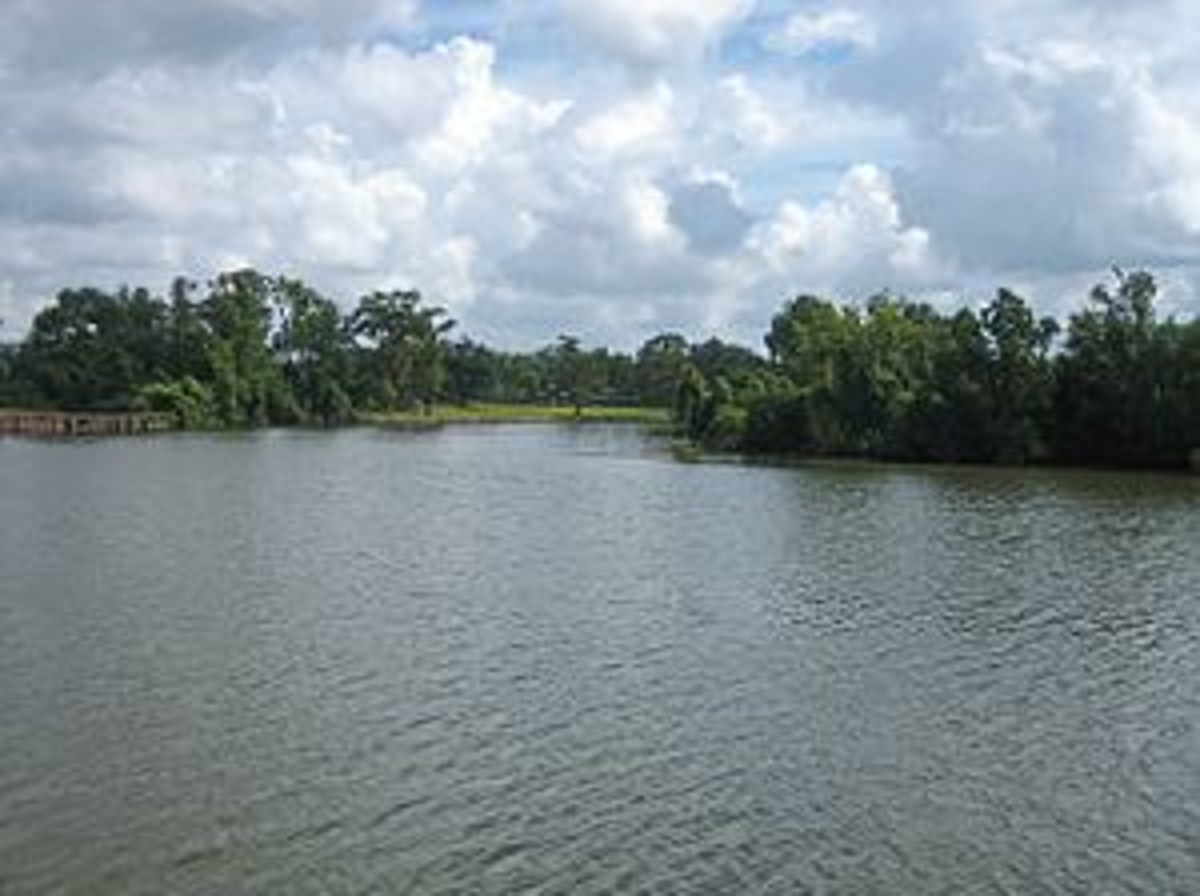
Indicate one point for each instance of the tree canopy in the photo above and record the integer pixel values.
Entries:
(891, 378)
(899, 380)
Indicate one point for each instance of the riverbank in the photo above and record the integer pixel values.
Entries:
(15, 421)
(688, 451)
(442, 415)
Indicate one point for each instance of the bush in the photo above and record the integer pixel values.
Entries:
(189, 402)
(777, 423)
(727, 428)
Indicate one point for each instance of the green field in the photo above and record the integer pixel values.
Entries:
(516, 413)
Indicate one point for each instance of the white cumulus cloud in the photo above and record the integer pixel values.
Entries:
(607, 167)
(805, 32)
(654, 32)
(855, 239)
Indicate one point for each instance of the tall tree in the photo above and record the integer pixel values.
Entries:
(573, 372)
(815, 345)
(473, 372)
(93, 349)
(247, 384)
(1108, 394)
(1019, 376)
(951, 420)
(188, 344)
(408, 340)
(314, 343)
(8, 377)
(661, 363)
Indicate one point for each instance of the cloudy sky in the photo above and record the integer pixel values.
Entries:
(612, 168)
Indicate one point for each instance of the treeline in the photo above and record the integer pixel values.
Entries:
(246, 349)
(896, 379)
(899, 380)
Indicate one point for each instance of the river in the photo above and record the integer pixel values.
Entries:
(549, 660)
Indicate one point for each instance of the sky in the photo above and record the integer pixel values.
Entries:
(608, 168)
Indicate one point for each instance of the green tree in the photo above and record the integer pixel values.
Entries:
(1111, 378)
(661, 362)
(692, 403)
(950, 419)
(526, 377)
(408, 342)
(614, 377)
(247, 384)
(314, 343)
(93, 349)
(889, 368)
(574, 372)
(473, 372)
(737, 364)
(815, 346)
(1020, 379)
(8, 378)
(188, 345)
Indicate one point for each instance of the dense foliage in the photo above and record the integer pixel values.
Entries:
(247, 349)
(896, 379)
(899, 380)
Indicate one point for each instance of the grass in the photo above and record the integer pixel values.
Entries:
(516, 413)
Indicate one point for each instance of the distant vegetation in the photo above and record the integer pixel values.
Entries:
(895, 379)
(248, 350)
(898, 380)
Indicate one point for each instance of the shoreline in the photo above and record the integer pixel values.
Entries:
(685, 451)
(61, 424)
(489, 414)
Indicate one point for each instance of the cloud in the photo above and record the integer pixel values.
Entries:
(607, 167)
(653, 32)
(749, 115)
(640, 124)
(856, 240)
(63, 37)
(1043, 137)
(708, 213)
(835, 29)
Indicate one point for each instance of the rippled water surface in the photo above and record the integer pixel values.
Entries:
(547, 660)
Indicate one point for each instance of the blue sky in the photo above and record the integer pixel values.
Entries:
(605, 167)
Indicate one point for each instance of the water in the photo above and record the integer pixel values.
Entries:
(546, 660)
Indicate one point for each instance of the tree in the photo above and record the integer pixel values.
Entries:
(188, 344)
(1019, 376)
(892, 379)
(1111, 377)
(246, 383)
(950, 418)
(717, 358)
(93, 349)
(473, 372)
(614, 377)
(814, 345)
(660, 366)
(8, 378)
(695, 407)
(408, 341)
(574, 372)
(314, 344)
(527, 377)
(1187, 389)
